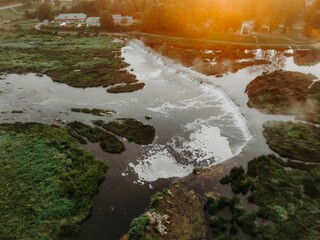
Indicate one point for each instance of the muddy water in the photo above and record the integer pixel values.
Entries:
(199, 120)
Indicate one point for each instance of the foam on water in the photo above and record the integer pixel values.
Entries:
(196, 123)
(159, 163)
(200, 140)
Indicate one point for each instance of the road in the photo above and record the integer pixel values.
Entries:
(11, 6)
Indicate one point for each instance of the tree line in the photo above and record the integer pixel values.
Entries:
(195, 17)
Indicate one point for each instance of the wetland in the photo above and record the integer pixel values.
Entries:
(205, 109)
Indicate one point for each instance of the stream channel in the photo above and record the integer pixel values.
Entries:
(199, 120)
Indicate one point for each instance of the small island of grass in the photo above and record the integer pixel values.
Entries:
(46, 182)
(130, 129)
(297, 141)
(284, 92)
(126, 88)
(95, 111)
(108, 142)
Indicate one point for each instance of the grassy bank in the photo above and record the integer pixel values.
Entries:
(225, 39)
(76, 61)
(175, 213)
(46, 182)
(288, 199)
(283, 92)
(297, 141)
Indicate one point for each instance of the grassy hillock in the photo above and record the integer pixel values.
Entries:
(130, 129)
(297, 141)
(283, 92)
(46, 182)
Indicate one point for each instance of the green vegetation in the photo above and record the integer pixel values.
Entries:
(297, 141)
(9, 14)
(196, 170)
(283, 92)
(288, 197)
(108, 142)
(239, 183)
(155, 199)
(76, 61)
(130, 129)
(46, 182)
(95, 111)
(137, 228)
(227, 229)
(175, 213)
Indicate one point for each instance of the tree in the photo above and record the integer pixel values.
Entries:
(106, 20)
(88, 8)
(314, 20)
(44, 12)
(57, 3)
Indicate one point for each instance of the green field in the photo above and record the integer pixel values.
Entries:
(46, 182)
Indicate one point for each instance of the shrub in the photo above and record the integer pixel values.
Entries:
(137, 227)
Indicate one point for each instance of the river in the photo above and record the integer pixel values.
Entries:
(200, 120)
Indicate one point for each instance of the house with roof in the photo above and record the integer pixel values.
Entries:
(93, 22)
(122, 20)
(71, 18)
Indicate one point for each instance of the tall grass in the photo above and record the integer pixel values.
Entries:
(46, 182)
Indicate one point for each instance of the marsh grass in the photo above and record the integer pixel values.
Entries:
(288, 198)
(131, 129)
(46, 182)
(76, 61)
(298, 141)
(94, 111)
(285, 92)
(108, 142)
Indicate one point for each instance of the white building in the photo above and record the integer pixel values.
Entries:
(93, 22)
(71, 17)
(122, 20)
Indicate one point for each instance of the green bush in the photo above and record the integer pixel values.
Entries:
(238, 180)
(137, 227)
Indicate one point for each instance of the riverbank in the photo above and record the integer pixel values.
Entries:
(77, 61)
(47, 182)
(253, 41)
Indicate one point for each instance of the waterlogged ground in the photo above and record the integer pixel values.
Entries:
(199, 121)
(196, 124)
